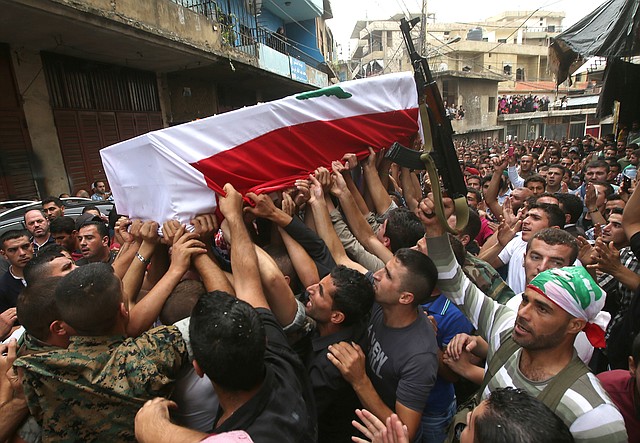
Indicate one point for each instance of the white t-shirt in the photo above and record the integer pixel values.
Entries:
(513, 254)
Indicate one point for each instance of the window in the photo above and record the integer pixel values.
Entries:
(389, 39)
(502, 40)
(492, 104)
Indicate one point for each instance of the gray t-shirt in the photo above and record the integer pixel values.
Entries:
(402, 363)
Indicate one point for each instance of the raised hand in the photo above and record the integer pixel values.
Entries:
(507, 212)
(122, 230)
(169, 229)
(506, 232)
(317, 193)
(288, 205)
(205, 226)
(606, 257)
(590, 197)
(149, 232)
(303, 193)
(338, 184)
(460, 343)
(350, 361)
(323, 176)
(264, 206)
(585, 251)
(427, 215)
(185, 246)
(231, 204)
(351, 161)
(7, 320)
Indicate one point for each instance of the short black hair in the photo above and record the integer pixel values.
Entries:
(512, 415)
(403, 229)
(51, 199)
(477, 194)
(618, 211)
(36, 268)
(228, 341)
(36, 307)
(615, 197)
(535, 179)
(547, 194)
(553, 236)
(558, 166)
(62, 224)
(421, 277)
(102, 229)
(12, 235)
(89, 299)
(473, 225)
(597, 164)
(572, 205)
(608, 189)
(554, 213)
(354, 294)
(90, 208)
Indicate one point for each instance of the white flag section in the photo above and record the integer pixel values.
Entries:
(174, 173)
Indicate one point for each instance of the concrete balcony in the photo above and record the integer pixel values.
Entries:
(285, 65)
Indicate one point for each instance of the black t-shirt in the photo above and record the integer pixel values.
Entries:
(282, 410)
(10, 288)
(336, 401)
(635, 244)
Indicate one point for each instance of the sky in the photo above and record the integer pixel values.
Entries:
(347, 12)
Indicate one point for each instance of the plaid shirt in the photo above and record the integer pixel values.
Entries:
(621, 294)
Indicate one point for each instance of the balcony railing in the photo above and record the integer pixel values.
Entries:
(241, 30)
(547, 29)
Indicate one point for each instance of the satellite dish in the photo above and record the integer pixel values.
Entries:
(443, 67)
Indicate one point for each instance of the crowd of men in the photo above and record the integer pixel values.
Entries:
(340, 309)
(517, 104)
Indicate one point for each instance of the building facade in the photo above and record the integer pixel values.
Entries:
(79, 76)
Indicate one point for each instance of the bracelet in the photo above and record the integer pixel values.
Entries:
(142, 259)
(595, 210)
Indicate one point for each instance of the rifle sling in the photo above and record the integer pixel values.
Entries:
(460, 203)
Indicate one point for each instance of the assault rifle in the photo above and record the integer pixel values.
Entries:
(439, 154)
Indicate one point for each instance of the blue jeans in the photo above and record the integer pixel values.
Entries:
(435, 426)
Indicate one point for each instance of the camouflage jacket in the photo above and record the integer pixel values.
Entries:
(92, 390)
(487, 279)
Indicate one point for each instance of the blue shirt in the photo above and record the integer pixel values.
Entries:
(450, 322)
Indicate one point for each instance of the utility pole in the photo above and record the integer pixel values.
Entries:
(423, 29)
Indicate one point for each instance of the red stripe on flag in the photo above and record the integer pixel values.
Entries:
(276, 159)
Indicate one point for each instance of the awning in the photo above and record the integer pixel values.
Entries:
(611, 30)
(582, 101)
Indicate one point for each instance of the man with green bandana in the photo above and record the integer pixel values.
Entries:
(556, 306)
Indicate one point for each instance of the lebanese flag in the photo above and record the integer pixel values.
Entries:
(175, 172)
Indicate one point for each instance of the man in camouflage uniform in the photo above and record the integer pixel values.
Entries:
(92, 390)
(486, 278)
